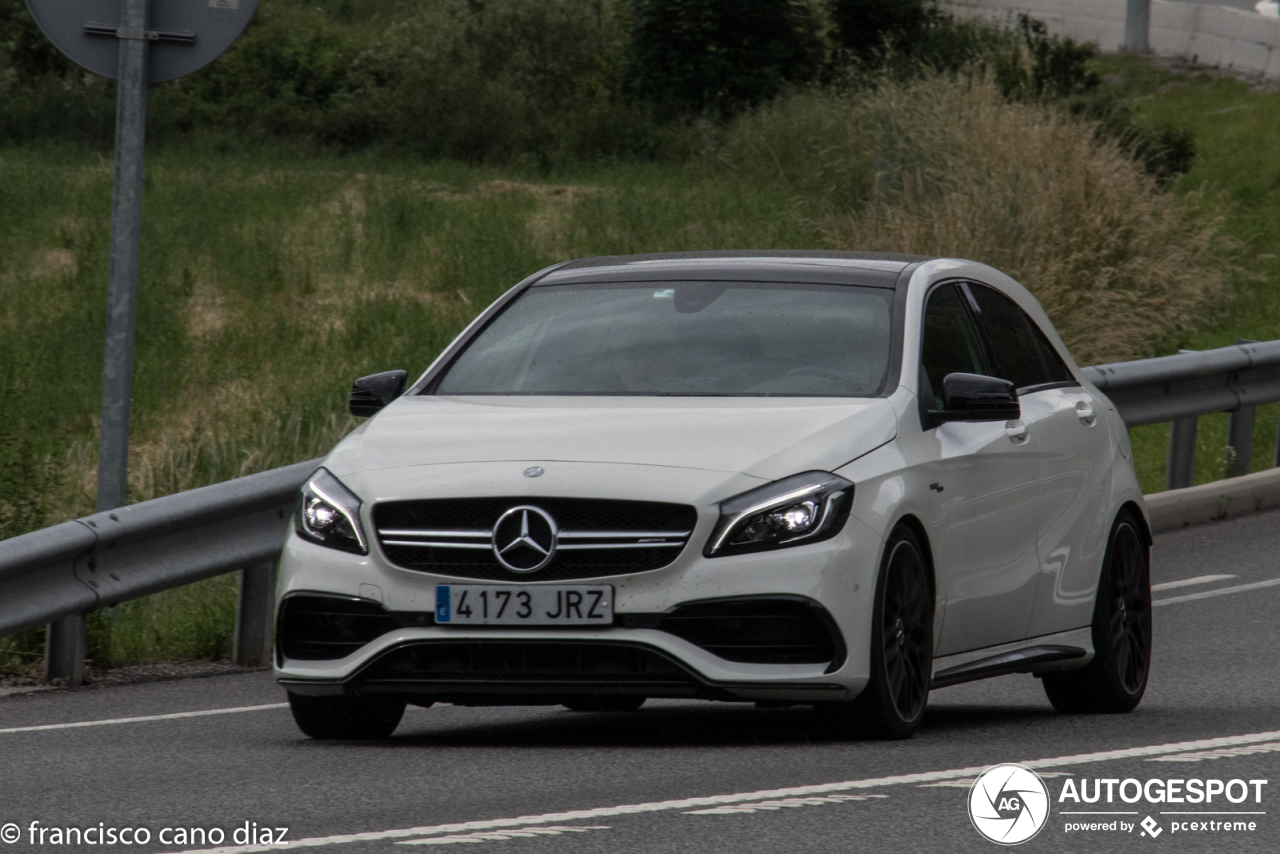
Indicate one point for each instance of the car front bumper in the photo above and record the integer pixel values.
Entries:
(421, 661)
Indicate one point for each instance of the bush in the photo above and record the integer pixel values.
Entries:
(872, 30)
(946, 166)
(286, 76)
(718, 56)
(504, 78)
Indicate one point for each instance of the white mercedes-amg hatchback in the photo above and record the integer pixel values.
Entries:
(834, 479)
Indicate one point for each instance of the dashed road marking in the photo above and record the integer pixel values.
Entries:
(1224, 753)
(1187, 582)
(1221, 591)
(503, 835)
(785, 803)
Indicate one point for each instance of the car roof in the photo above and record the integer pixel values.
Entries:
(875, 269)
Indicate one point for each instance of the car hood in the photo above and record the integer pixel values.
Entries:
(763, 437)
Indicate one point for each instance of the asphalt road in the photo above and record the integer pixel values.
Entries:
(560, 781)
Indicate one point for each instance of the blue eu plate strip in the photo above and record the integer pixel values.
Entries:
(442, 603)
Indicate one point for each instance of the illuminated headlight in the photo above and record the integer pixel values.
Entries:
(805, 508)
(330, 514)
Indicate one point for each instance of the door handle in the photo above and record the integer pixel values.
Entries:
(1016, 431)
(1084, 411)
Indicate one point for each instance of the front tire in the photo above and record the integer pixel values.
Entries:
(893, 703)
(345, 717)
(1115, 680)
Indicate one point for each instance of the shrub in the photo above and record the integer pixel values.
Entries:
(498, 79)
(870, 30)
(718, 56)
(946, 166)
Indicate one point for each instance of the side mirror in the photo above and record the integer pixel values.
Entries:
(972, 397)
(369, 394)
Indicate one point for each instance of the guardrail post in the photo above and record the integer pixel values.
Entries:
(1182, 453)
(1240, 434)
(1276, 462)
(254, 613)
(1240, 442)
(1137, 26)
(64, 646)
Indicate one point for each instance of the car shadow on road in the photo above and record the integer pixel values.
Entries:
(710, 725)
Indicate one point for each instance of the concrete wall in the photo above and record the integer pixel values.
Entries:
(1232, 39)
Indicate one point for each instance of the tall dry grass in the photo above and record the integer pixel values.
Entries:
(949, 167)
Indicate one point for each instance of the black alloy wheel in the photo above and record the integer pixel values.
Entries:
(1115, 680)
(893, 703)
(346, 717)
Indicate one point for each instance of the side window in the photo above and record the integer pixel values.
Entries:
(1058, 370)
(950, 344)
(1012, 349)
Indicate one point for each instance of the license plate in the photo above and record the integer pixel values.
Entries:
(492, 605)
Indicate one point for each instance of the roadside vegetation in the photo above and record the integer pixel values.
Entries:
(356, 179)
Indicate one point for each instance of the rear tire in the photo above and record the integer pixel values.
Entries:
(345, 717)
(604, 703)
(1115, 680)
(893, 703)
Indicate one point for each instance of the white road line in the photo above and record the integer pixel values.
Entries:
(1187, 582)
(172, 717)
(557, 818)
(1221, 591)
(968, 784)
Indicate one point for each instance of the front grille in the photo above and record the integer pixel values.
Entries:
(466, 668)
(597, 537)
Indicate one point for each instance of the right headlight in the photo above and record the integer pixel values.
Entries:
(804, 508)
(329, 514)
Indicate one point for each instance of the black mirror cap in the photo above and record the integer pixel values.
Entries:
(973, 397)
(369, 394)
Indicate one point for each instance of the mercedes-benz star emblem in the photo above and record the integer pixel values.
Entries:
(524, 539)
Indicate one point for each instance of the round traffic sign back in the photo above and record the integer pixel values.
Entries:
(185, 35)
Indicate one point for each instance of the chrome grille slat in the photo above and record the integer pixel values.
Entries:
(437, 545)
(425, 532)
(582, 546)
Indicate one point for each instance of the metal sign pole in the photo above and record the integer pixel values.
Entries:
(64, 653)
(187, 35)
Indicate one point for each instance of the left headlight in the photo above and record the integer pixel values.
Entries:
(804, 508)
(329, 514)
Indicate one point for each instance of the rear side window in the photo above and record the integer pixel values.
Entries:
(1012, 349)
(950, 344)
(1056, 368)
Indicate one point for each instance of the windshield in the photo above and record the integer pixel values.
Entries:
(682, 338)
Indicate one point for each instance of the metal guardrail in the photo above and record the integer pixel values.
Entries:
(1183, 387)
(62, 572)
(57, 574)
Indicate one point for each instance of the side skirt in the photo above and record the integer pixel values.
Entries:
(1061, 651)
